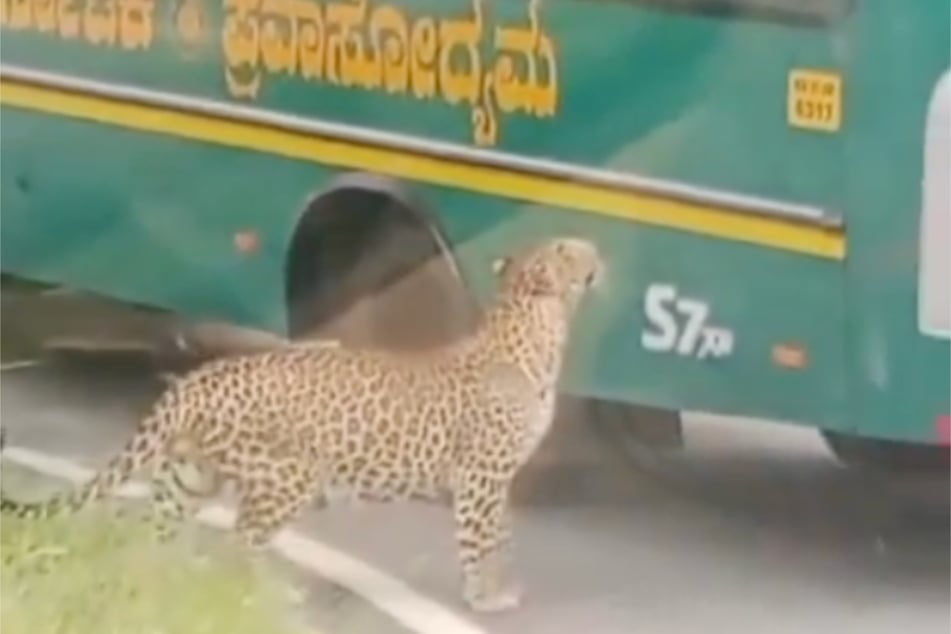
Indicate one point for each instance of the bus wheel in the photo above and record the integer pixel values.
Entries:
(368, 266)
(886, 455)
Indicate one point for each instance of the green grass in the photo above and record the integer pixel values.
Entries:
(105, 576)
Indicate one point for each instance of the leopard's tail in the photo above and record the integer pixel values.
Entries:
(139, 452)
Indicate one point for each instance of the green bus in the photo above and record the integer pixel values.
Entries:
(768, 179)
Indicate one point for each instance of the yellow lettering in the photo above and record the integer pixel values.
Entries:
(136, 29)
(44, 15)
(279, 36)
(546, 94)
(362, 62)
(349, 63)
(241, 42)
(310, 39)
(513, 94)
(390, 33)
(190, 25)
(21, 14)
(353, 44)
(67, 16)
(129, 23)
(485, 127)
(466, 83)
(461, 84)
(100, 22)
(423, 47)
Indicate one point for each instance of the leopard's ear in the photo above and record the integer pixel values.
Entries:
(500, 265)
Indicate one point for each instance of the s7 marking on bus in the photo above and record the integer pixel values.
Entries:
(679, 324)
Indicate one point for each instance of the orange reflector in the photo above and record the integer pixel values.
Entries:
(790, 355)
(247, 241)
(943, 429)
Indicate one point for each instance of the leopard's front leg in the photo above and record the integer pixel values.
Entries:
(483, 532)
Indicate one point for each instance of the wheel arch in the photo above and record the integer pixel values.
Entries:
(356, 220)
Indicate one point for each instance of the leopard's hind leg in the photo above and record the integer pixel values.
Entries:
(179, 485)
(274, 499)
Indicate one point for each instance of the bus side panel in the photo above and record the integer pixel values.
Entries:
(149, 221)
(677, 97)
(633, 85)
(899, 372)
(778, 316)
(148, 218)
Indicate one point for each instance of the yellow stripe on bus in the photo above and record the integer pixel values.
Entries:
(705, 219)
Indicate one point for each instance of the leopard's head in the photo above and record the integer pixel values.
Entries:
(563, 268)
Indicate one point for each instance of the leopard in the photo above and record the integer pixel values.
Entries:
(306, 424)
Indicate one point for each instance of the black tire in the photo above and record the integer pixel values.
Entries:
(886, 455)
(368, 266)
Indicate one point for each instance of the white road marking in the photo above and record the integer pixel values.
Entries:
(411, 609)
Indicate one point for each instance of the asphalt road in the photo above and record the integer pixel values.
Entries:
(753, 528)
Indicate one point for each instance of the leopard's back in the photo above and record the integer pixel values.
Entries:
(375, 426)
